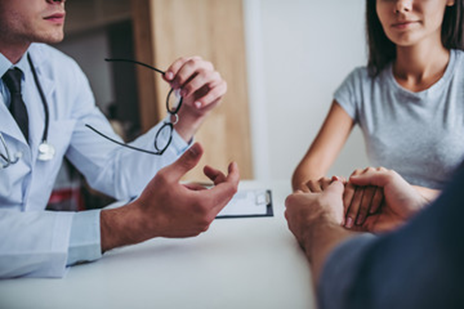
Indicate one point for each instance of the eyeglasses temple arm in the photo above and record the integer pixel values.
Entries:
(136, 62)
(121, 144)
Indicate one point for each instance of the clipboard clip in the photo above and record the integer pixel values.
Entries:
(263, 198)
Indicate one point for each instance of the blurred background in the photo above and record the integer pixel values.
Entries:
(282, 60)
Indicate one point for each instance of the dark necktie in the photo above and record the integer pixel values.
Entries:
(12, 80)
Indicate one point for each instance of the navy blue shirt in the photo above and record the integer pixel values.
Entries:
(417, 266)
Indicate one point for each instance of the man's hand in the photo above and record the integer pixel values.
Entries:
(401, 200)
(167, 208)
(315, 219)
(201, 88)
(304, 211)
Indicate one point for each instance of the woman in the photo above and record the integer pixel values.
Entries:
(408, 102)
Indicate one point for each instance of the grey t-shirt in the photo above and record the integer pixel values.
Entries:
(420, 135)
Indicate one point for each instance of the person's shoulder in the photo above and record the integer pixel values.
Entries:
(360, 72)
(455, 67)
(54, 64)
(359, 75)
(458, 52)
(44, 54)
(459, 56)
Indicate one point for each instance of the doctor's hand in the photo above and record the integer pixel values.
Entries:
(201, 88)
(167, 208)
(401, 200)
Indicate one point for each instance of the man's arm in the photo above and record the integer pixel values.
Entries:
(315, 220)
(167, 208)
(123, 173)
(418, 266)
(325, 237)
(34, 244)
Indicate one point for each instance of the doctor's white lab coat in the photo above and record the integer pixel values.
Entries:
(34, 242)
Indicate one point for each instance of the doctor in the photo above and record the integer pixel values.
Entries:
(46, 106)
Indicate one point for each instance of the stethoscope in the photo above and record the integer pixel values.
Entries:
(46, 150)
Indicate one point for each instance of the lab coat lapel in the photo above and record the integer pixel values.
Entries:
(47, 84)
(8, 125)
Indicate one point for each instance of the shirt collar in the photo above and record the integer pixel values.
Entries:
(22, 64)
(5, 64)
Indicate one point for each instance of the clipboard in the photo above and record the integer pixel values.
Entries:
(249, 204)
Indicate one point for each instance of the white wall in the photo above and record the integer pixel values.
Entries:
(298, 53)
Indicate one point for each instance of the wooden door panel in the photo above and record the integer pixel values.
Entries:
(213, 29)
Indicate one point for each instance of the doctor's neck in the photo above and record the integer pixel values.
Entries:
(13, 52)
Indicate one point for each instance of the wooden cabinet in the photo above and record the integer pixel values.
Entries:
(87, 15)
(164, 30)
(213, 29)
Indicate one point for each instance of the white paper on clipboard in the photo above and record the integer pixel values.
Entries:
(249, 203)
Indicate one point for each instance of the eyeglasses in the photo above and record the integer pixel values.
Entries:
(7, 156)
(163, 136)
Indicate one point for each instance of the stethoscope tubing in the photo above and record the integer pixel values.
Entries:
(42, 96)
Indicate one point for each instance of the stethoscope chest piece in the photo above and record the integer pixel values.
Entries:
(46, 151)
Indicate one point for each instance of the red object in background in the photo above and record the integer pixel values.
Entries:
(66, 199)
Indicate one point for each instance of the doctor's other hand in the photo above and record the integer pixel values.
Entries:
(361, 201)
(167, 208)
(401, 200)
(304, 210)
(201, 88)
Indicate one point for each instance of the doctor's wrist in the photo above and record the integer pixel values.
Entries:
(188, 125)
(121, 226)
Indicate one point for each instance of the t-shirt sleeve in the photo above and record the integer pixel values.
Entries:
(347, 95)
(341, 272)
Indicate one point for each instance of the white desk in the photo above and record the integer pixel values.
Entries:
(238, 263)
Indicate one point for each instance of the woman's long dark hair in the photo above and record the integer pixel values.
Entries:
(382, 51)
